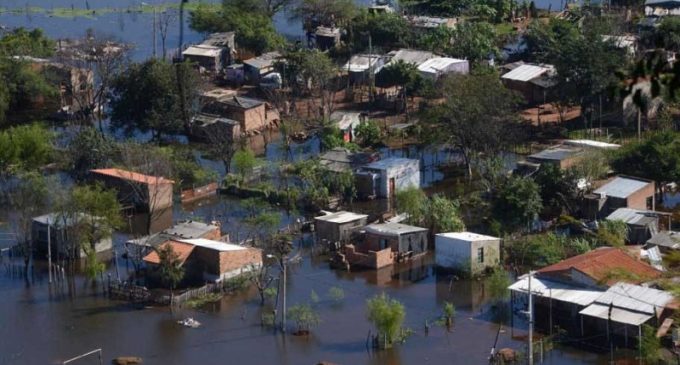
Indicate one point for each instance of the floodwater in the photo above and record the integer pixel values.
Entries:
(40, 324)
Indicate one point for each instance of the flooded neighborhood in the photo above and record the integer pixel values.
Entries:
(339, 182)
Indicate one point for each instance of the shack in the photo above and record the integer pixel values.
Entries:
(405, 241)
(642, 224)
(661, 8)
(410, 56)
(436, 68)
(256, 68)
(327, 37)
(338, 226)
(210, 58)
(467, 252)
(384, 178)
(226, 41)
(562, 156)
(139, 193)
(63, 230)
(251, 114)
(361, 67)
(340, 159)
(533, 81)
(620, 192)
(211, 260)
(209, 128)
(347, 122)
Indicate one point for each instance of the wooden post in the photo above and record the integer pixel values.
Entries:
(49, 251)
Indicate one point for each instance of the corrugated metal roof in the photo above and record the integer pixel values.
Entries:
(526, 72)
(633, 216)
(391, 163)
(263, 61)
(622, 187)
(213, 245)
(668, 239)
(133, 176)
(411, 56)
(557, 291)
(362, 62)
(202, 51)
(556, 153)
(617, 314)
(393, 229)
(181, 249)
(630, 304)
(341, 217)
(591, 143)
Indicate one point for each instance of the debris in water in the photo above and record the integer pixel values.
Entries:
(189, 322)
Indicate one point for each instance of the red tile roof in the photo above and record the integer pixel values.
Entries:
(599, 263)
(133, 176)
(183, 250)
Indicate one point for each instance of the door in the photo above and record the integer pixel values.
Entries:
(391, 188)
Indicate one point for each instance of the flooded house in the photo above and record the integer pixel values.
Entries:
(438, 67)
(340, 159)
(210, 260)
(467, 252)
(139, 193)
(580, 294)
(619, 192)
(208, 127)
(384, 178)
(338, 226)
(256, 68)
(141, 246)
(251, 114)
(642, 224)
(60, 230)
(532, 81)
(361, 67)
(384, 244)
(562, 156)
(326, 38)
(214, 54)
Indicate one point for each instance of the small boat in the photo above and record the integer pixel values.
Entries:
(189, 322)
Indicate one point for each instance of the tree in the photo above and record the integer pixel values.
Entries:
(146, 97)
(244, 162)
(613, 233)
(98, 211)
(314, 13)
(650, 345)
(444, 8)
(24, 148)
(88, 150)
(517, 202)
(369, 132)
(558, 187)
(304, 316)
(320, 73)
(475, 41)
(656, 158)
(405, 75)
(442, 215)
(254, 30)
(170, 268)
(28, 197)
(387, 30)
(413, 202)
(26, 93)
(478, 116)
(448, 312)
(387, 316)
(22, 42)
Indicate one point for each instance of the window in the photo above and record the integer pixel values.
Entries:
(383, 243)
(480, 255)
(650, 203)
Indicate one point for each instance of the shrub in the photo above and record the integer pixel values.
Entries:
(387, 315)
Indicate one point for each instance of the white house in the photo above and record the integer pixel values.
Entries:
(466, 251)
(437, 67)
(386, 177)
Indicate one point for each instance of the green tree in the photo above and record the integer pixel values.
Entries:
(154, 96)
(324, 12)
(388, 31)
(244, 162)
(89, 150)
(558, 187)
(255, 30)
(93, 267)
(448, 312)
(475, 41)
(304, 316)
(656, 158)
(517, 202)
(443, 215)
(612, 233)
(23, 42)
(403, 74)
(25, 148)
(170, 268)
(387, 316)
(26, 92)
(445, 8)
(478, 116)
(650, 345)
(413, 202)
(369, 132)
(100, 211)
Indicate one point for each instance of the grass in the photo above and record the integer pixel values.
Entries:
(203, 300)
(85, 13)
(505, 29)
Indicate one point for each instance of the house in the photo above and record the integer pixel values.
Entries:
(570, 294)
(347, 122)
(256, 68)
(434, 68)
(666, 241)
(226, 41)
(211, 260)
(384, 244)
(251, 114)
(532, 81)
(466, 252)
(620, 192)
(327, 37)
(360, 66)
(381, 7)
(208, 127)
(386, 177)
(215, 95)
(139, 193)
(340, 159)
(338, 226)
(427, 23)
(642, 224)
(62, 231)
(562, 156)
(210, 58)
(139, 247)
(661, 8)
(410, 56)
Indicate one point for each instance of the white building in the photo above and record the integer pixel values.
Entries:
(437, 67)
(384, 178)
(466, 251)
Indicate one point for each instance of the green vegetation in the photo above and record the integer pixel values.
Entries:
(612, 233)
(650, 345)
(202, 300)
(448, 312)
(517, 203)
(25, 148)
(336, 294)
(541, 250)
(170, 268)
(436, 212)
(304, 317)
(369, 132)
(387, 316)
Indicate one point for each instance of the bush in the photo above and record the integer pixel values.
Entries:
(336, 294)
(304, 317)
(612, 233)
(387, 315)
(369, 132)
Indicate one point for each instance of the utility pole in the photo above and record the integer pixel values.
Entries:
(49, 250)
(154, 31)
(531, 323)
(371, 75)
(283, 323)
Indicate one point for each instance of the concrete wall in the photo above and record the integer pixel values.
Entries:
(404, 176)
(337, 232)
(417, 241)
(370, 259)
(461, 255)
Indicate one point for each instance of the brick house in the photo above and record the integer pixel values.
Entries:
(252, 114)
(563, 156)
(338, 226)
(140, 247)
(620, 192)
(211, 260)
(139, 193)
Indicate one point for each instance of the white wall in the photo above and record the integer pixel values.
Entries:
(452, 253)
